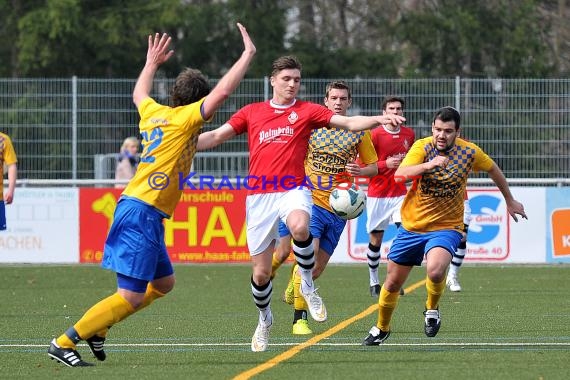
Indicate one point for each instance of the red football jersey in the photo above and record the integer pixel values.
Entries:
(278, 138)
(389, 144)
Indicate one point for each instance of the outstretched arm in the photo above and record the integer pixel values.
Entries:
(156, 55)
(513, 206)
(230, 81)
(360, 123)
(210, 139)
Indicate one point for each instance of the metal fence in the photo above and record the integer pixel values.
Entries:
(67, 128)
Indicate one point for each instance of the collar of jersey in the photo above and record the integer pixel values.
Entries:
(390, 131)
(282, 106)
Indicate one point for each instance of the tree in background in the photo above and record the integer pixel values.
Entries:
(497, 38)
(333, 38)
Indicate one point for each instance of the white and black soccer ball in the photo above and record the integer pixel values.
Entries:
(347, 200)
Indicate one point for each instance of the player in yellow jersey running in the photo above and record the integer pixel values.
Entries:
(330, 161)
(135, 247)
(432, 216)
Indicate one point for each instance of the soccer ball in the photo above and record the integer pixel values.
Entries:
(347, 201)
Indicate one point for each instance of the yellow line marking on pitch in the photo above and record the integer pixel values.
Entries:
(314, 340)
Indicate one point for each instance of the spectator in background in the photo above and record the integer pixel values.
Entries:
(127, 161)
(7, 159)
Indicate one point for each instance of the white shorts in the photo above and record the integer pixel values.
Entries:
(381, 210)
(263, 212)
(466, 212)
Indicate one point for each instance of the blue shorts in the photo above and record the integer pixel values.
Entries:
(2, 216)
(324, 225)
(135, 244)
(409, 248)
(283, 230)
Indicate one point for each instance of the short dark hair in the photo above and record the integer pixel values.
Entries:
(392, 99)
(190, 86)
(338, 85)
(284, 63)
(446, 114)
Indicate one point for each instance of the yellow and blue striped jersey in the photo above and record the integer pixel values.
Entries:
(169, 137)
(435, 201)
(330, 149)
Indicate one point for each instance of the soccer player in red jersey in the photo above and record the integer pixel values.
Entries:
(278, 136)
(385, 196)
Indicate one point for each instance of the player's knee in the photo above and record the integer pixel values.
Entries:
(300, 233)
(164, 285)
(261, 277)
(436, 275)
(133, 298)
(166, 288)
(299, 229)
(393, 285)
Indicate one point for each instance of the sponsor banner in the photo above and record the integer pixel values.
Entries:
(558, 225)
(42, 227)
(69, 225)
(96, 208)
(206, 227)
(490, 235)
(527, 236)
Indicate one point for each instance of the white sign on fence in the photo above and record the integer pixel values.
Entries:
(493, 235)
(43, 227)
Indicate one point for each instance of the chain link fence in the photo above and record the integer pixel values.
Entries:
(73, 128)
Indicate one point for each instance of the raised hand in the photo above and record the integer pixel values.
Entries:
(248, 45)
(158, 52)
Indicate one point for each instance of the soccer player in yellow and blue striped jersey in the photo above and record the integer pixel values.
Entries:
(432, 216)
(135, 248)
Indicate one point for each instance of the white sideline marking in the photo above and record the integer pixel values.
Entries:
(441, 344)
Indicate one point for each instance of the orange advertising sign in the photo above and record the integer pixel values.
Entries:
(207, 226)
(560, 219)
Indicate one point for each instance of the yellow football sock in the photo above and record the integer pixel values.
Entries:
(65, 342)
(434, 293)
(102, 315)
(275, 264)
(300, 303)
(150, 296)
(387, 303)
